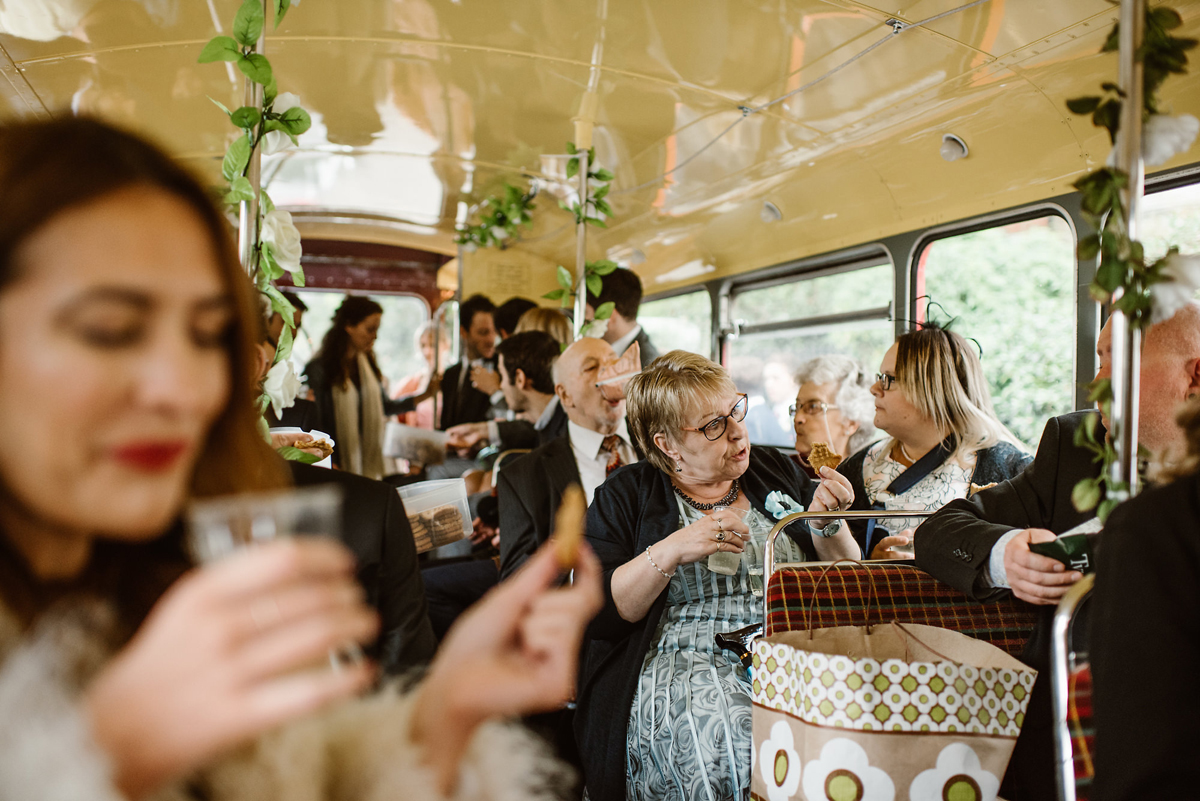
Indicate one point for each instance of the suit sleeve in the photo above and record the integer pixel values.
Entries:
(406, 638)
(955, 543)
(1145, 646)
(518, 532)
(517, 434)
(612, 525)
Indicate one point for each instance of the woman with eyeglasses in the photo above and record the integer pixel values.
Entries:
(662, 713)
(944, 439)
(833, 405)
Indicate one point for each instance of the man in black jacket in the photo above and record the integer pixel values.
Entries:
(596, 443)
(623, 289)
(462, 402)
(375, 528)
(980, 545)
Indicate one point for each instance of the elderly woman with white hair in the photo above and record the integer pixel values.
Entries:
(662, 713)
(833, 405)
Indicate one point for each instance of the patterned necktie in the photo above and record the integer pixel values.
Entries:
(610, 446)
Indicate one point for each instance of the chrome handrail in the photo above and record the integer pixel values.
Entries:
(769, 547)
(1062, 660)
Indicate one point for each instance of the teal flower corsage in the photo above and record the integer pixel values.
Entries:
(780, 504)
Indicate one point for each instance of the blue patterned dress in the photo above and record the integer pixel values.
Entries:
(689, 726)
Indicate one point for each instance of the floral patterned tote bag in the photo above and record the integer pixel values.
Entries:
(884, 713)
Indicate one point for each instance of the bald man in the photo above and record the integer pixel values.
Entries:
(596, 443)
(980, 545)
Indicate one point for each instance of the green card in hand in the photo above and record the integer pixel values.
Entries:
(1073, 550)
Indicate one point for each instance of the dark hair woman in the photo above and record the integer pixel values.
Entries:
(126, 374)
(352, 403)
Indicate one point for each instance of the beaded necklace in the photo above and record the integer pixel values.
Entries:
(729, 498)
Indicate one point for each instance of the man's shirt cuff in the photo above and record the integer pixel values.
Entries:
(994, 574)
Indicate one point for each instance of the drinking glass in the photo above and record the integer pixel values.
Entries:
(219, 527)
(727, 562)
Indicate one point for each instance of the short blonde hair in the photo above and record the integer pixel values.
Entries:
(939, 374)
(659, 398)
(551, 321)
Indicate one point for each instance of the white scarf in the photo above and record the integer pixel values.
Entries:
(364, 455)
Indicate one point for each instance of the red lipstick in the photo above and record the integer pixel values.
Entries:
(151, 457)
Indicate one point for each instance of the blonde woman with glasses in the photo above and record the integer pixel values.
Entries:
(944, 439)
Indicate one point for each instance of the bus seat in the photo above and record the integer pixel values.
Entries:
(1071, 693)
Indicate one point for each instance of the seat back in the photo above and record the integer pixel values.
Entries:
(1071, 692)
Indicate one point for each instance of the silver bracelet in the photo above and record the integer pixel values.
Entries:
(649, 558)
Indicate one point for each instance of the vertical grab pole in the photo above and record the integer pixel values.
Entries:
(248, 209)
(581, 235)
(1127, 339)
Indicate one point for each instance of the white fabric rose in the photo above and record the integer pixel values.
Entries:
(1164, 137)
(281, 385)
(274, 142)
(279, 232)
(285, 101)
(594, 328)
(1183, 279)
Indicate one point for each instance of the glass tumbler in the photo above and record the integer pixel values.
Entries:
(221, 526)
(727, 562)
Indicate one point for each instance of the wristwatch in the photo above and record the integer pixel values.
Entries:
(830, 529)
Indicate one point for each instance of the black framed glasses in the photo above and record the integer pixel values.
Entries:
(714, 429)
(885, 380)
(811, 408)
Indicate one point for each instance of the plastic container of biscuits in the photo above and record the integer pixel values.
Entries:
(437, 511)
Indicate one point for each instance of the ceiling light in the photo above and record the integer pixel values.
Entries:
(953, 148)
(770, 212)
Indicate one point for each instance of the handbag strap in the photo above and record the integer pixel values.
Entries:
(906, 635)
(821, 579)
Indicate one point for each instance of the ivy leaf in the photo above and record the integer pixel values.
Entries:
(1109, 276)
(239, 190)
(245, 117)
(221, 106)
(571, 149)
(1083, 105)
(281, 10)
(265, 204)
(269, 267)
(295, 121)
(602, 191)
(236, 158)
(1109, 86)
(1085, 495)
(602, 267)
(605, 310)
(296, 455)
(603, 175)
(1099, 391)
(256, 67)
(564, 278)
(596, 221)
(248, 24)
(286, 338)
(556, 294)
(572, 168)
(220, 48)
(1106, 508)
(603, 207)
(1089, 246)
(1166, 18)
(271, 91)
(594, 284)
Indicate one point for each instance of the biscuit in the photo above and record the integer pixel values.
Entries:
(979, 488)
(568, 526)
(322, 445)
(822, 456)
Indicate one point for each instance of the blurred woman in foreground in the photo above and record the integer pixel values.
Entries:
(125, 391)
(944, 440)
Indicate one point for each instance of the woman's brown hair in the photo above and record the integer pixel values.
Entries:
(47, 168)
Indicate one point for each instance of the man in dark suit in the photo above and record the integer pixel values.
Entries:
(624, 290)
(376, 529)
(524, 362)
(462, 401)
(980, 545)
(596, 443)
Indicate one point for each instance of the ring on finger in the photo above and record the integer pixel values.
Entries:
(720, 536)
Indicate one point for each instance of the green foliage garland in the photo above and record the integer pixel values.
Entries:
(594, 208)
(501, 218)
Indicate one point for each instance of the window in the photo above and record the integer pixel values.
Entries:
(681, 322)
(1011, 288)
(395, 349)
(783, 324)
(1171, 217)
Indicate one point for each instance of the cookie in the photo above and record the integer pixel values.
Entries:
(568, 526)
(822, 456)
(979, 488)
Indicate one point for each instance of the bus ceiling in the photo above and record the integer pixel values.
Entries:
(740, 136)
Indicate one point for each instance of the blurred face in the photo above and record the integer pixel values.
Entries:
(112, 368)
(514, 396)
(363, 335)
(1168, 377)
(894, 413)
(778, 384)
(481, 336)
(814, 425)
(427, 348)
(704, 460)
(581, 399)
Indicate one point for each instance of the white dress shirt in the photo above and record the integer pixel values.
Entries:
(591, 461)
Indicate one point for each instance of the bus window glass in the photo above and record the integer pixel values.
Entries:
(1170, 218)
(763, 364)
(1012, 289)
(681, 322)
(395, 349)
